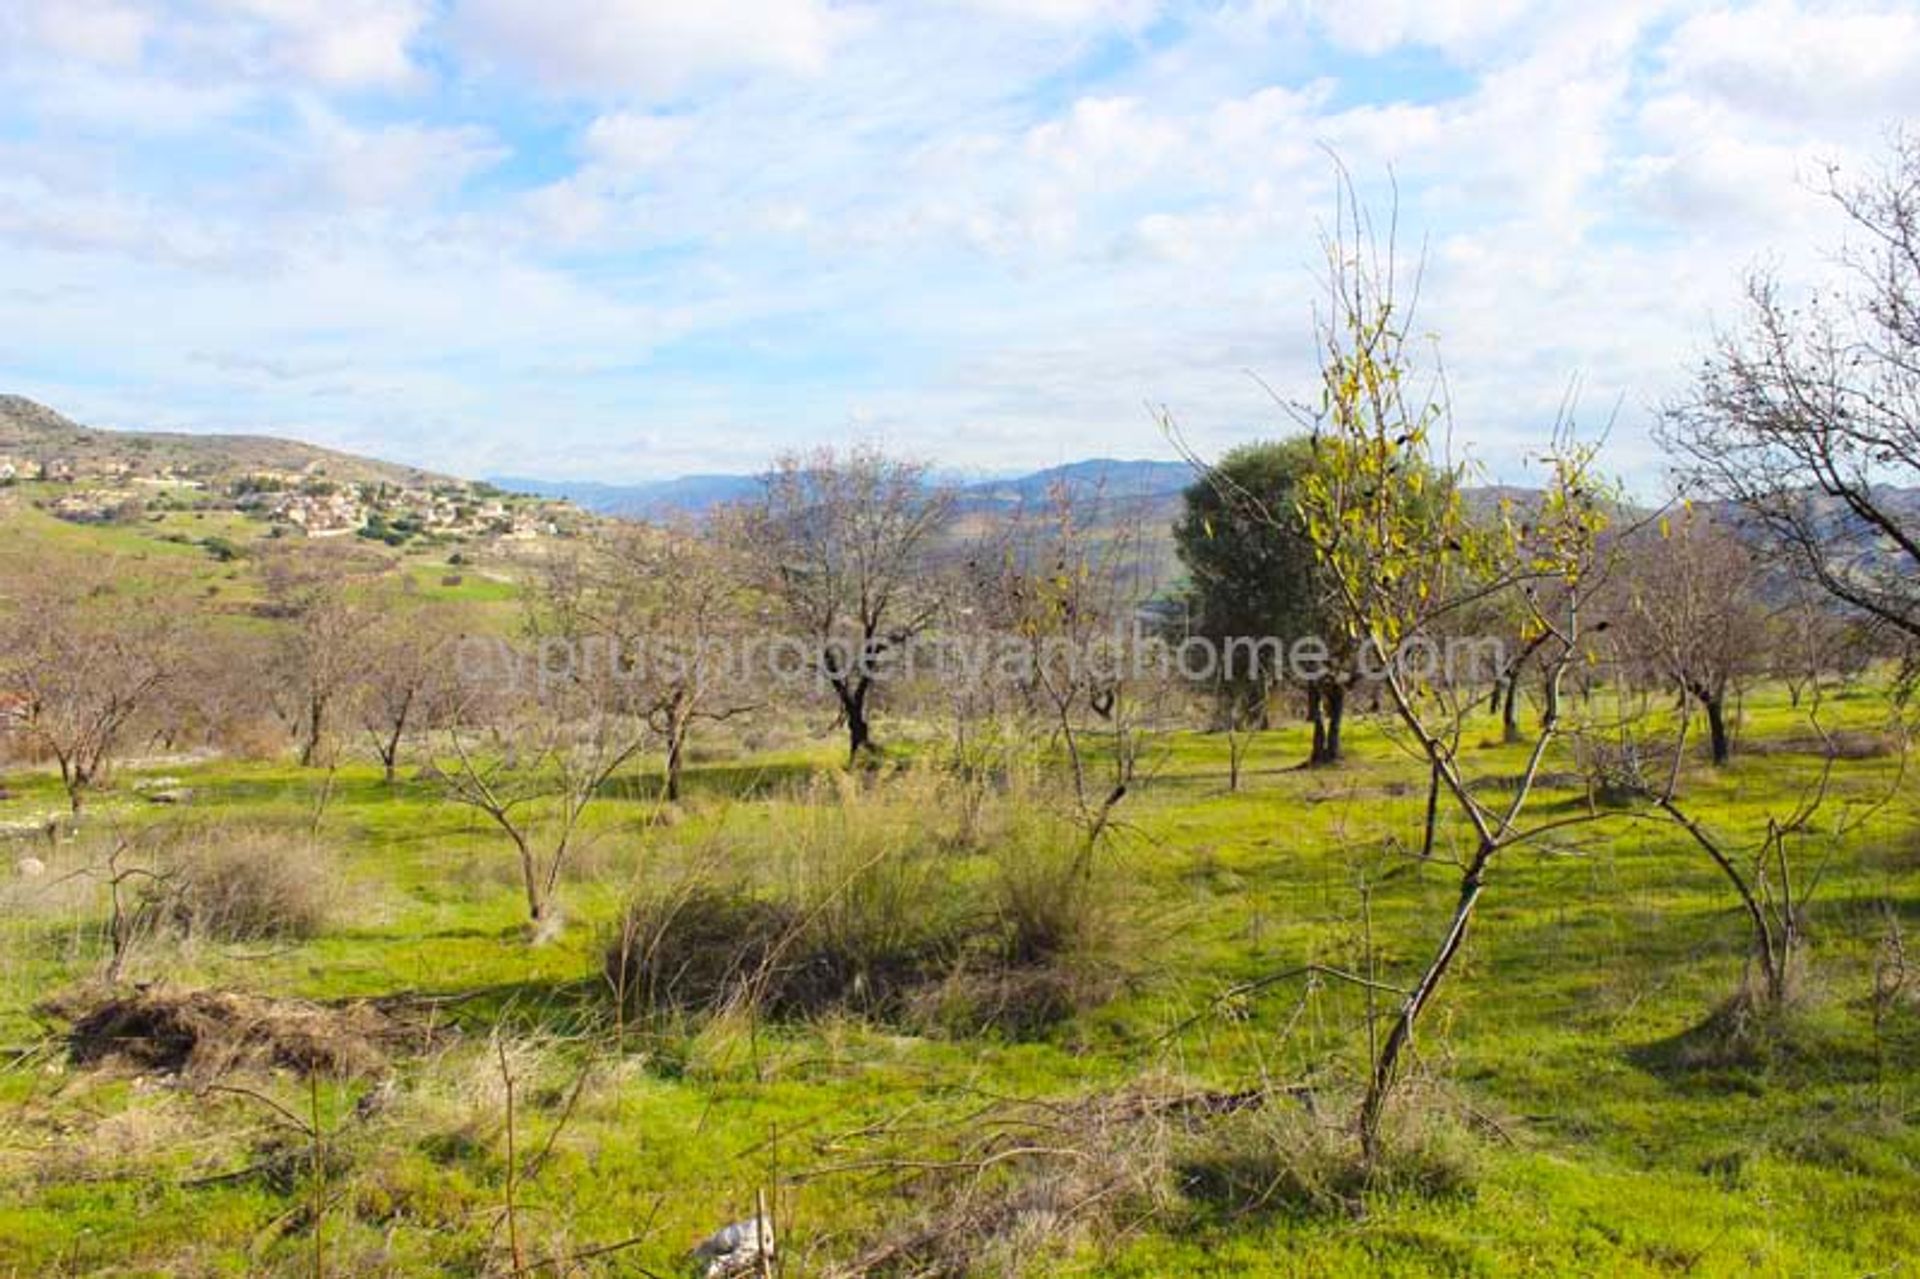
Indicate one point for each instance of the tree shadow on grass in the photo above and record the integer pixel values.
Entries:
(1741, 1048)
(743, 780)
(564, 1009)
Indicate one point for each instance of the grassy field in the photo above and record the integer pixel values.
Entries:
(1567, 1115)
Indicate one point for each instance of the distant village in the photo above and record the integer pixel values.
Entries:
(305, 503)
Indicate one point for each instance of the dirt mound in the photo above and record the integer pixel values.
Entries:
(203, 1034)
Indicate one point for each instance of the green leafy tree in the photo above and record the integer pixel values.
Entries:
(1257, 589)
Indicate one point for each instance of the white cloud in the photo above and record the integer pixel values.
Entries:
(657, 235)
(342, 43)
(397, 165)
(1089, 13)
(1102, 142)
(646, 47)
(628, 141)
(1801, 65)
(1455, 26)
(99, 31)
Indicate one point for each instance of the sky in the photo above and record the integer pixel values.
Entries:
(624, 240)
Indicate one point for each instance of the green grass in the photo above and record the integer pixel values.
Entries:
(1594, 1153)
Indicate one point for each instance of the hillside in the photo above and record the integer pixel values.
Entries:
(34, 436)
(149, 481)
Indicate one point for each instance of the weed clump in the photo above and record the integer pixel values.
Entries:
(1291, 1159)
(701, 950)
(247, 886)
(867, 906)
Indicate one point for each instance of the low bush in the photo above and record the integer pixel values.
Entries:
(870, 900)
(246, 886)
(1293, 1157)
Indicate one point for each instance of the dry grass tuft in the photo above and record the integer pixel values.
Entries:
(879, 899)
(248, 885)
(1303, 1158)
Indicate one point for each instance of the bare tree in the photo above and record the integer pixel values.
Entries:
(319, 648)
(406, 682)
(843, 542)
(1064, 588)
(79, 660)
(533, 757)
(536, 735)
(670, 605)
(1697, 624)
(1809, 417)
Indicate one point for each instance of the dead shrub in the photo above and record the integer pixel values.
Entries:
(698, 950)
(710, 948)
(1747, 1036)
(1013, 1188)
(247, 886)
(1048, 903)
(203, 1034)
(1049, 951)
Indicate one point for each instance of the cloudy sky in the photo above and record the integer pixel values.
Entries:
(627, 239)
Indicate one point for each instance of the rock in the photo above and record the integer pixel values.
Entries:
(29, 868)
(737, 1249)
(178, 796)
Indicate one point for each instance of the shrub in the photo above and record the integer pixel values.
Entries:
(247, 886)
(1291, 1158)
(868, 898)
(1048, 905)
(699, 950)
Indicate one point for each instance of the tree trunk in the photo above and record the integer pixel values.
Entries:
(75, 777)
(853, 703)
(1510, 711)
(1386, 1068)
(390, 757)
(536, 892)
(316, 724)
(676, 758)
(1316, 755)
(1717, 727)
(1334, 699)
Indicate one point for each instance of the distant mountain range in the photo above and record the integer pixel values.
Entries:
(1144, 485)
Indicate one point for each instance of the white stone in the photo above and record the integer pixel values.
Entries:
(736, 1249)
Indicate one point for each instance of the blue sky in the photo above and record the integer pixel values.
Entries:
(631, 239)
